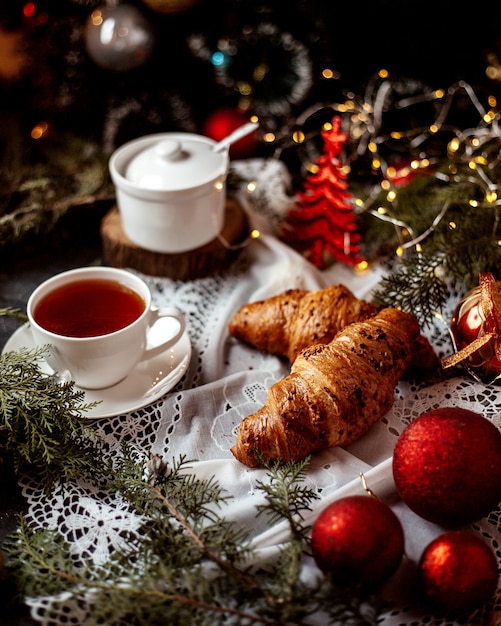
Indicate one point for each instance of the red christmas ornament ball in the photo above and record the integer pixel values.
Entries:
(224, 121)
(468, 322)
(458, 572)
(357, 540)
(447, 466)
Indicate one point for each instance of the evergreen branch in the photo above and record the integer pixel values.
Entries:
(40, 190)
(44, 550)
(175, 568)
(286, 497)
(11, 312)
(191, 502)
(416, 287)
(41, 421)
(420, 283)
(451, 218)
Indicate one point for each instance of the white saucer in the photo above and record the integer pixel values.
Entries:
(146, 383)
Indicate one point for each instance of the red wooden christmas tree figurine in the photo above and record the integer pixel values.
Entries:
(323, 220)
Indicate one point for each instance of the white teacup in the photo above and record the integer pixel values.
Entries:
(107, 354)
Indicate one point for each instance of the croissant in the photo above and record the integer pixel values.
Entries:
(334, 392)
(293, 320)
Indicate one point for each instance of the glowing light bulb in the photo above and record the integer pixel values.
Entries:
(38, 131)
(96, 17)
(218, 59)
(329, 74)
(29, 9)
(362, 266)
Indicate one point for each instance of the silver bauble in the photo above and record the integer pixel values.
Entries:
(119, 38)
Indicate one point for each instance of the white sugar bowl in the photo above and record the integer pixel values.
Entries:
(171, 190)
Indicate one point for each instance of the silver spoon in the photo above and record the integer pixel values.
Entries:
(235, 136)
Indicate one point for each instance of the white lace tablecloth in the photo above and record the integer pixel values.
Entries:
(225, 382)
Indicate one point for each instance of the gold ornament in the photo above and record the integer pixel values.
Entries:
(170, 7)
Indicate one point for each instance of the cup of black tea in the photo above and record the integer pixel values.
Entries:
(99, 323)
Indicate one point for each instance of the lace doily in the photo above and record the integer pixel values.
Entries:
(224, 382)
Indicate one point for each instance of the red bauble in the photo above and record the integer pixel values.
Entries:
(458, 572)
(447, 466)
(357, 540)
(476, 316)
(224, 121)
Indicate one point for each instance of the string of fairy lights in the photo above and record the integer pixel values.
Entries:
(463, 148)
(478, 147)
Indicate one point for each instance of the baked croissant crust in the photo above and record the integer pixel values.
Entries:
(296, 319)
(293, 320)
(334, 393)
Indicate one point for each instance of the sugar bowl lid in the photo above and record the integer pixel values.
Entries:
(176, 161)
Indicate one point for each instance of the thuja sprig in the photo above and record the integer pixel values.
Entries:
(42, 425)
(415, 286)
(185, 564)
(287, 497)
(11, 312)
(161, 492)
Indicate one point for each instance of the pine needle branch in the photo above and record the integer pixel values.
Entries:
(11, 312)
(286, 495)
(416, 286)
(287, 498)
(42, 425)
(185, 564)
(193, 504)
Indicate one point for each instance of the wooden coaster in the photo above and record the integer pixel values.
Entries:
(120, 251)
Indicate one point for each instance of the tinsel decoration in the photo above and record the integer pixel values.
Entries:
(268, 69)
(323, 220)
